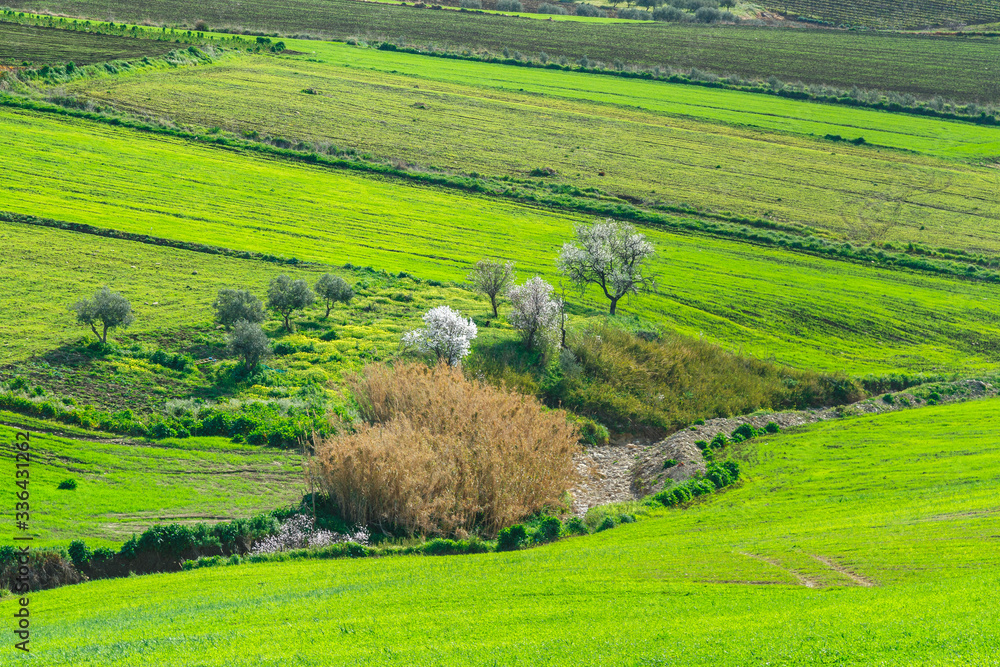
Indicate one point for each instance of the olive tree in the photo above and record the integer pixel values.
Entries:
(285, 296)
(446, 334)
(534, 312)
(611, 255)
(249, 342)
(333, 290)
(232, 305)
(107, 310)
(492, 278)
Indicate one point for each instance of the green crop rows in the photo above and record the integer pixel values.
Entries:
(133, 182)
(47, 46)
(723, 150)
(889, 14)
(963, 69)
(906, 502)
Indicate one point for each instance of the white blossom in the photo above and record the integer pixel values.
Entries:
(446, 333)
(534, 312)
(298, 532)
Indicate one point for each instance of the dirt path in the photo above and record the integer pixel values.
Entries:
(630, 471)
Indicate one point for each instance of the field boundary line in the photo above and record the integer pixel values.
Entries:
(853, 576)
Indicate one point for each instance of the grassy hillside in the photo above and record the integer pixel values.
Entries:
(862, 541)
(123, 487)
(963, 69)
(46, 46)
(725, 290)
(891, 14)
(722, 150)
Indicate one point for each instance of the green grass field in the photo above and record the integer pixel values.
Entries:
(723, 150)
(887, 14)
(48, 46)
(964, 69)
(124, 487)
(800, 309)
(773, 572)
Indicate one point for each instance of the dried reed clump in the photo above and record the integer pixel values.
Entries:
(443, 455)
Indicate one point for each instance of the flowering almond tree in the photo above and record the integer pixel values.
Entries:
(446, 334)
(611, 255)
(534, 312)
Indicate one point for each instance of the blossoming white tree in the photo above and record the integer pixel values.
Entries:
(610, 255)
(446, 333)
(534, 312)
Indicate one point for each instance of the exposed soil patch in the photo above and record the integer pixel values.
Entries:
(633, 470)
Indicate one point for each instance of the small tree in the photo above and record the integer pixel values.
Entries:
(534, 312)
(446, 334)
(232, 305)
(249, 342)
(611, 255)
(106, 309)
(285, 296)
(333, 290)
(492, 278)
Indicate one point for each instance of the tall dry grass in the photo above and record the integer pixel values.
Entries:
(440, 454)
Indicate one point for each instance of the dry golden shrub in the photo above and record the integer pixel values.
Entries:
(440, 454)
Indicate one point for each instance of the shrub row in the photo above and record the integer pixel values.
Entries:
(256, 423)
(717, 476)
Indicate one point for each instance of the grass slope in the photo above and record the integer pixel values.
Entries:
(801, 309)
(723, 150)
(963, 69)
(48, 46)
(769, 573)
(123, 487)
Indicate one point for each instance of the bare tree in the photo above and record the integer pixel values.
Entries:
(492, 278)
(875, 217)
(611, 255)
(107, 309)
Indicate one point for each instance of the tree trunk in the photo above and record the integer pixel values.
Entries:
(614, 306)
(105, 338)
(493, 302)
(328, 306)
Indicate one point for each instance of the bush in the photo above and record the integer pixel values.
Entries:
(707, 15)
(772, 427)
(511, 538)
(576, 526)
(670, 14)
(670, 463)
(719, 441)
(440, 453)
(585, 9)
(78, 553)
(635, 14)
(548, 8)
(509, 6)
(548, 530)
(607, 523)
(701, 444)
(68, 484)
(744, 432)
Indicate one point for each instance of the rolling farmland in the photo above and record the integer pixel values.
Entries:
(963, 69)
(695, 144)
(839, 526)
(723, 289)
(123, 487)
(48, 46)
(888, 14)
